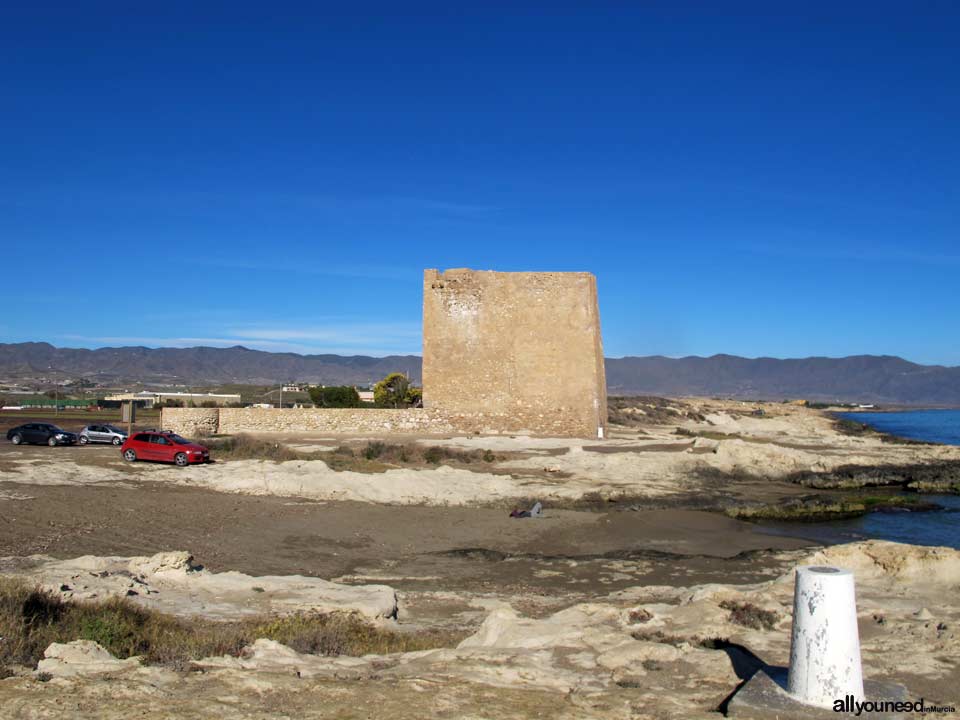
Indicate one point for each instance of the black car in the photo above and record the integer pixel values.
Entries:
(40, 433)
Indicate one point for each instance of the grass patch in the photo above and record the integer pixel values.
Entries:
(648, 410)
(373, 450)
(31, 619)
(714, 435)
(349, 462)
(377, 456)
(248, 447)
(374, 457)
(658, 636)
(750, 615)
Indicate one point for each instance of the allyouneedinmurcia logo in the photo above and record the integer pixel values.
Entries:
(849, 704)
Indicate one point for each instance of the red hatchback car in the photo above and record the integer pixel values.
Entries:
(163, 447)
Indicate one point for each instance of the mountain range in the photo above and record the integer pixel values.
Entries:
(860, 378)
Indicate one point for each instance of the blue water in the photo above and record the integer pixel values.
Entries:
(937, 527)
(941, 426)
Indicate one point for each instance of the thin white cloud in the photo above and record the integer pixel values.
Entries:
(334, 333)
(157, 341)
(149, 340)
(376, 339)
(339, 337)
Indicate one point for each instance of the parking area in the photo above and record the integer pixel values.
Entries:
(75, 420)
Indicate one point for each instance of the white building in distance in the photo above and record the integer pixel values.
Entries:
(149, 398)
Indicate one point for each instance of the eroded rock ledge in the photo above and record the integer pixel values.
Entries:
(644, 652)
(172, 583)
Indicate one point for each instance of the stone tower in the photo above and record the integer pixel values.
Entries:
(514, 351)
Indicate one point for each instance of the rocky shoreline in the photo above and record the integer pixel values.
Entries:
(819, 509)
(931, 477)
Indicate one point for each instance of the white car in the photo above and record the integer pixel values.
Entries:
(102, 434)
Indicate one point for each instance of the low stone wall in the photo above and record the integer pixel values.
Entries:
(346, 421)
(230, 421)
(190, 421)
(331, 420)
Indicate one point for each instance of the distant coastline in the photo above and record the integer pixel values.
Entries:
(931, 425)
(894, 408)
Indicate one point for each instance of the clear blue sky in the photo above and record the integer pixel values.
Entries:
(777, 179)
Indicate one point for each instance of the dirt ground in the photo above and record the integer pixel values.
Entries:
(429, 554)
(435, 556)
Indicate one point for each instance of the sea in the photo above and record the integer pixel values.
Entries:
(942, 426)
(936, 527)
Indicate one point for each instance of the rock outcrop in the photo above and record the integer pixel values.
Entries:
(646, 652)
(172, 583)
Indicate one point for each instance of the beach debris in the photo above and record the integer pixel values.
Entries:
(536, 512)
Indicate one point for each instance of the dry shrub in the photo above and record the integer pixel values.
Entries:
(646, 410)
(31, 619)
(375, 457)
(379, 456)
(750, 615)
(374, 449)
(348, 634)
(248, 447)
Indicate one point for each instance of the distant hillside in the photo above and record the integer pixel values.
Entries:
(861, 378)
(198, 365)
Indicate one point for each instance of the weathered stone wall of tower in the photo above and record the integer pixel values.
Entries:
(514, 352)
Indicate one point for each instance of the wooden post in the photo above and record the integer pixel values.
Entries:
(128, 414)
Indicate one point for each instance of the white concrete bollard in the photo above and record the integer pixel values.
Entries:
(825, 644)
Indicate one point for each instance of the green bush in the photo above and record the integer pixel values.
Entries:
(342, 396)
(396, 391)
(374, 449)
